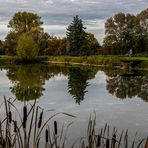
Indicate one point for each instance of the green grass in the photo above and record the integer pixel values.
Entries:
(106, 61)
(9, 60)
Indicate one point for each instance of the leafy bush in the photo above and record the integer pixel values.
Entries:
(27, 48)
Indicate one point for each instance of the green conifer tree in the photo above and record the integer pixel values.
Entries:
(76, 37)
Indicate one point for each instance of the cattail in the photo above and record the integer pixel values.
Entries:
(40, 119)
(90, 139)
(98, 141)
(0, 127)
(15, 126)
(24, 116)
(55, 127)
(3, 143)
(107, 143)
(146, 143)
(46, 135)
(1, 140)
(114, 141)
(83, 145)
(10, 117)
(9, 142)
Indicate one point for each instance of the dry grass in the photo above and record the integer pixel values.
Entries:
(28, 129)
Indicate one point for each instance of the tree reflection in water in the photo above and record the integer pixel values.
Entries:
(77, 82)
(128, 86)
(28, 81)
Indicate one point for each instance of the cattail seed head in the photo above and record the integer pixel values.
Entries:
(46, 135)
(25, 111)
(1, 140)
(107, 143)
(90, 138)
(10, 117)
(55, 127)
(114, 141)
(24, 116)
(98, 141)
(3, 143)
(15, 126)
(40, 119)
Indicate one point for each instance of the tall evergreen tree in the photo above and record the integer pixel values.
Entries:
(76, 37)
(1, 48)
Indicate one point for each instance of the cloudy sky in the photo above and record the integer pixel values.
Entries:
(57, 14)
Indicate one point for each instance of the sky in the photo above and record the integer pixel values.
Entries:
(58, 14)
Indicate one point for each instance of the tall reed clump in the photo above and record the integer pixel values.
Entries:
(31, 130)
(107, 138)
(26, 130)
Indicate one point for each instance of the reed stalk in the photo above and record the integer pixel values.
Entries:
(27, 131)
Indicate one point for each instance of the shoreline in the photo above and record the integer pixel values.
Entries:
(97, 61)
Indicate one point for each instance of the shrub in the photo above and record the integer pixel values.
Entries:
(27, 48)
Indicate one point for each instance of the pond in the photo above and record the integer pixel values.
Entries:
(118, 97)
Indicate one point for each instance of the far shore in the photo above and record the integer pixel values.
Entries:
(99, 61)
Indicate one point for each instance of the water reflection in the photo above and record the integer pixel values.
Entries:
(128, 85)
(28, 81)
(77, 82)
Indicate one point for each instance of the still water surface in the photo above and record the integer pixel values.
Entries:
(118, 97)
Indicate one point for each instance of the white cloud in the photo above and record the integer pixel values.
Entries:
(60, 12)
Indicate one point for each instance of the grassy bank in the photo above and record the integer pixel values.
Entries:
(9, 60)
(106, 61)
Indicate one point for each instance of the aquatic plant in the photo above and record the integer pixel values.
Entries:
(28, 128)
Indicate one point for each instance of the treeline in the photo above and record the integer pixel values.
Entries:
(27, 39)
(126, 31)
(123, 33)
